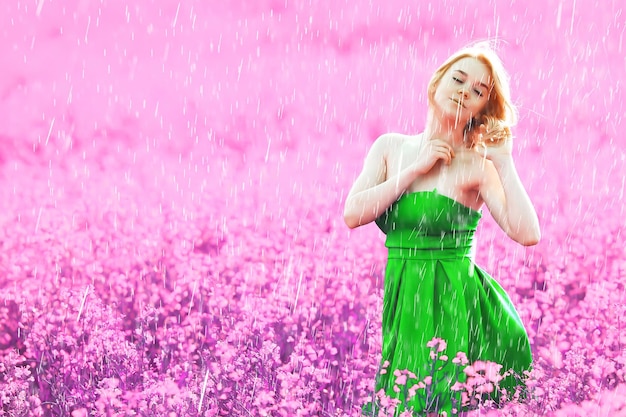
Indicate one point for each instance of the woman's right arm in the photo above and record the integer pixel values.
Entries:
(373, 192)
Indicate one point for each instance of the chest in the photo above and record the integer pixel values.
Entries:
(460, 180)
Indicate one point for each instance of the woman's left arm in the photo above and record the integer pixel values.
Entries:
(504, 194)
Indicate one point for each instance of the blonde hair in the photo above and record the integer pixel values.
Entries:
(499, 105)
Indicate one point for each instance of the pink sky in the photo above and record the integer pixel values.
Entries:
(301, 81)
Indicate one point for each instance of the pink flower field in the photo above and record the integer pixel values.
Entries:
(172, 180)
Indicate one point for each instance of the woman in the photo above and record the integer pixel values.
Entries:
(425, 192)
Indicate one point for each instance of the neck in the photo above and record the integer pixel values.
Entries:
(449, 130)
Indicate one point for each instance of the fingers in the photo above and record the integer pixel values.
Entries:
(495, 134)
(445, 152)
(482, 130)
(442, 150)
(441, 145)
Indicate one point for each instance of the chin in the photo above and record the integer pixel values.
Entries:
(451, 111)
(460, 119)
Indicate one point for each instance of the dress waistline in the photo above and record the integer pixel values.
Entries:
(407, 245)
(429, 254)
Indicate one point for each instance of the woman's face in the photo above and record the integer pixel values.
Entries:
(463, 91)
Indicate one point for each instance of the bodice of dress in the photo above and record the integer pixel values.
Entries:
(429, 225)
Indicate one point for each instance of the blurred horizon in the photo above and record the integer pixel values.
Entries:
(300, 89)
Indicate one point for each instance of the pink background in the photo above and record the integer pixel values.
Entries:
(293, 83)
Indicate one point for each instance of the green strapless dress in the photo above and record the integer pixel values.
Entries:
(433, 288)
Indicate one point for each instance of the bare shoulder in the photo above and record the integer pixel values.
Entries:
(391, 138)
(393, 142)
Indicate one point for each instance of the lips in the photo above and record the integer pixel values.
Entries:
(458, 102)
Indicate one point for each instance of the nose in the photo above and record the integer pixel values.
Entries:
(463, 92)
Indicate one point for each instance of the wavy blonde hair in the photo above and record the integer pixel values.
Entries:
(499, 109)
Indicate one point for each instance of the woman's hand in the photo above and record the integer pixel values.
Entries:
(495, 152)
(432, 151)
(493, 140)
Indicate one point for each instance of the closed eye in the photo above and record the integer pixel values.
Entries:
(457, 80)
(479, 93)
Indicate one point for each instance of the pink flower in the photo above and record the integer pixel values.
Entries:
(437, 342)
(485, 388)
(457, 386)
(401, 380)
(433, 342)
(81, 412)
(442, 347)
(492, 372)
(470, 371)
(460, 358)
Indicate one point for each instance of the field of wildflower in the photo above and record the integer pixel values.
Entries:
(172, 179)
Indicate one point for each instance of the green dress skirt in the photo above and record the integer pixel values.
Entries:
(433, 289)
